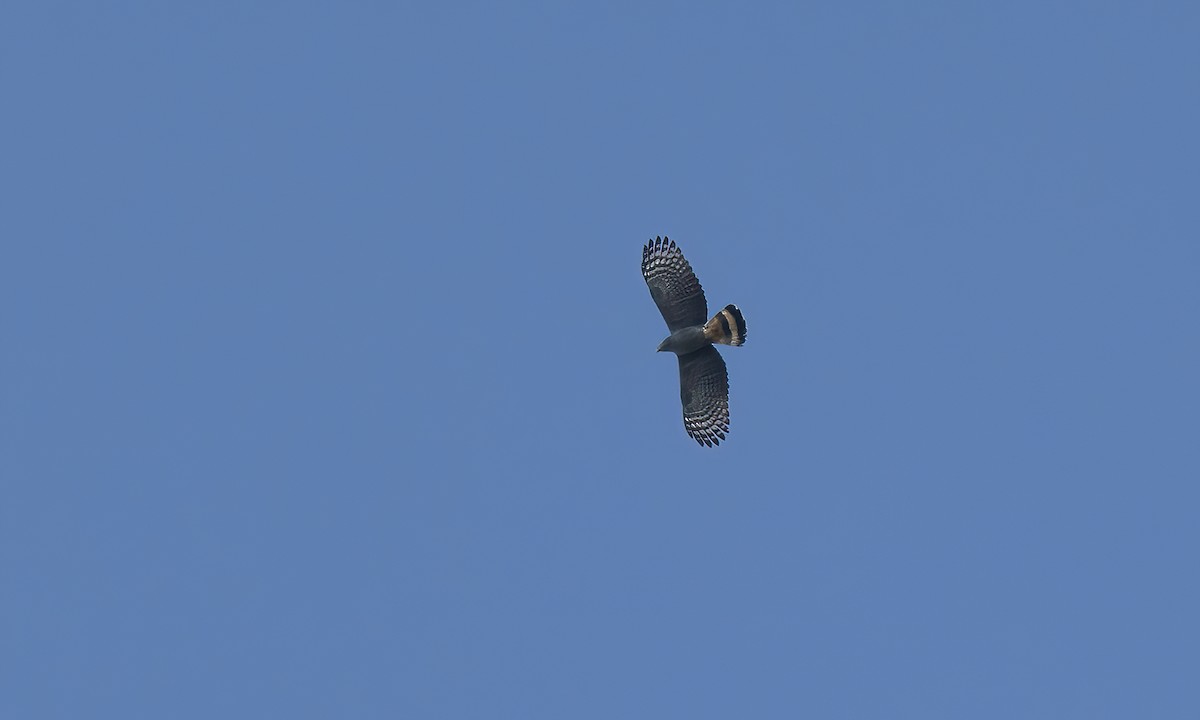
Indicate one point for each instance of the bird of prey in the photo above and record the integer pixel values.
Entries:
(703, 381)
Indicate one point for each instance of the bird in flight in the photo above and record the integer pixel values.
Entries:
(703, 381)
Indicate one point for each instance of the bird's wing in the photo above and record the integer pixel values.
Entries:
(673, 285)
(704, 390)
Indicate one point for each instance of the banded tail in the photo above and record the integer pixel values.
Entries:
(727, 327)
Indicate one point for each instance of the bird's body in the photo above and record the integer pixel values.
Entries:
(685, 340)
(703, 380)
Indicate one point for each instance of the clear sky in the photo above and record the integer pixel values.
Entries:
(329, 385)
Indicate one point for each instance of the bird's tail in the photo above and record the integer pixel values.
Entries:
(727, 327)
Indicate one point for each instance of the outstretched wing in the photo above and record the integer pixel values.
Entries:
(673, 285)
(704, 390)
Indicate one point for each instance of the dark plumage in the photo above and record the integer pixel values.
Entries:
(703, 380)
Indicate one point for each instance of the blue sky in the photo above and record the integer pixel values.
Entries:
(329, 385)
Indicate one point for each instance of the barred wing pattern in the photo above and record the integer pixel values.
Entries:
(704, 390)
(673, 285)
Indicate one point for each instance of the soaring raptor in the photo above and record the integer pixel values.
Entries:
(703, 382)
